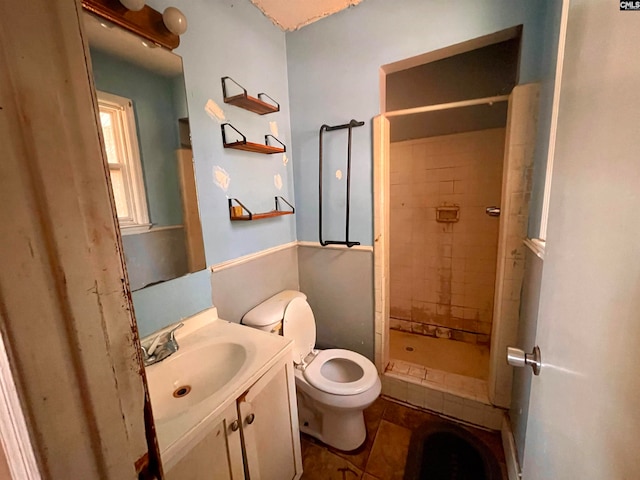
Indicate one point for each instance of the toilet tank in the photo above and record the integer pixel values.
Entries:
(268, 315)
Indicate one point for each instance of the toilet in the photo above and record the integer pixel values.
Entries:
(333, 386)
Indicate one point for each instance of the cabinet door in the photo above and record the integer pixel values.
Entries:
(218, 456)
(268, 414)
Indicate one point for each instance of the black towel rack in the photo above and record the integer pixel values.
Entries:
(327, 128)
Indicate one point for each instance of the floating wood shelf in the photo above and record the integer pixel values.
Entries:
(240, 213)
(250, 146)
(253, 104)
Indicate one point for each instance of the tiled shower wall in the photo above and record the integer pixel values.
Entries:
(443, 274)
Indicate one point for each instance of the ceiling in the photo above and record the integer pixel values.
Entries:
(291, 15)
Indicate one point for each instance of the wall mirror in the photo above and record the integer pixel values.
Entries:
(143, 112)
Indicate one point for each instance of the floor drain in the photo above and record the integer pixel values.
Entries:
(181, 391)
(409, 349)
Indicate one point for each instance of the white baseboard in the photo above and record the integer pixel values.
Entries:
(510, 451)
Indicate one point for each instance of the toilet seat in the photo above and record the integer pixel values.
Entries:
(318, 378)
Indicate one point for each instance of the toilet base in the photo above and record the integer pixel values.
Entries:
(343, 429)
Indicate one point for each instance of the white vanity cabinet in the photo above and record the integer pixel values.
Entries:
(256, 436)
(218, 456)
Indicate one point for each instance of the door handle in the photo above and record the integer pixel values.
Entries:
(517, 358)
(492, 211)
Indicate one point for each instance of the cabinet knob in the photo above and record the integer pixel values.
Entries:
(235, 425)
(250, 418)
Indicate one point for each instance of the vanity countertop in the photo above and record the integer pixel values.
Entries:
(217, 361)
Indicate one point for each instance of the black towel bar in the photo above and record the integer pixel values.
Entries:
(327, 128)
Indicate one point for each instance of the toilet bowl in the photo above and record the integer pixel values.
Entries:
(333, 386)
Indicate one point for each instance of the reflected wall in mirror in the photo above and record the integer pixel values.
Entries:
(143, 112)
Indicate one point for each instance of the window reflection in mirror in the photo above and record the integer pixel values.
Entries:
(143, 114)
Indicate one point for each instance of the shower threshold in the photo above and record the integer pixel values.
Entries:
(455, 396)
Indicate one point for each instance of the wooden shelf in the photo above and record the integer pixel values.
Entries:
(254, 147)
(252, 104)
(246, 101)
(240, 213)
(259, 216)
(250, 146)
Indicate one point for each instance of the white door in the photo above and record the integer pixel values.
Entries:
(584, 417)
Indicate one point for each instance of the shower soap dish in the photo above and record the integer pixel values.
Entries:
(448, 214)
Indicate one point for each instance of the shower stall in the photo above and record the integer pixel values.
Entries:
(453, 157)
(443, 249)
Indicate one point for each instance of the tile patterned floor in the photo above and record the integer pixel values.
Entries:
(384, 453)
(440, 354)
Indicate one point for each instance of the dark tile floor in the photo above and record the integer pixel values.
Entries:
(384, 453)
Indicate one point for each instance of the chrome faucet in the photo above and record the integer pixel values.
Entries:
(163, 345)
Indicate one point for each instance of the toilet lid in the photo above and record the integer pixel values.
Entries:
(299, 326)
(341, 372)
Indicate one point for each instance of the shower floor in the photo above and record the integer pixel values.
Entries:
(440, 354)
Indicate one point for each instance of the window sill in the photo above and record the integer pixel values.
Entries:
(135, 229)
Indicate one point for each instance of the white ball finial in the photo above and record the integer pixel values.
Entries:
(174, 20)
(134, 5)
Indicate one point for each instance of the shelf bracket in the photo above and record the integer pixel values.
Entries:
(242, 207)
(266, 141)
(224, 87)
(277, 105)
(278, 209)
(224, 136)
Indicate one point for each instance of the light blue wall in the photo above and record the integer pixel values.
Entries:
(333, 77)
(233, 38)
(157, 124)
(227, 38)
(166, 303)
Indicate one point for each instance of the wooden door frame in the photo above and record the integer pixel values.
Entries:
(66, 315)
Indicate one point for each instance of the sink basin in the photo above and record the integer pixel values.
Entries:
(216, 362)
(187, 378)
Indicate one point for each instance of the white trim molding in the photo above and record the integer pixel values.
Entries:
(13, 429)
(252, 256)
(147, 228)
(359, 248)
(234, 262)
(514, 471)
(553, 128)
(536, 245)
